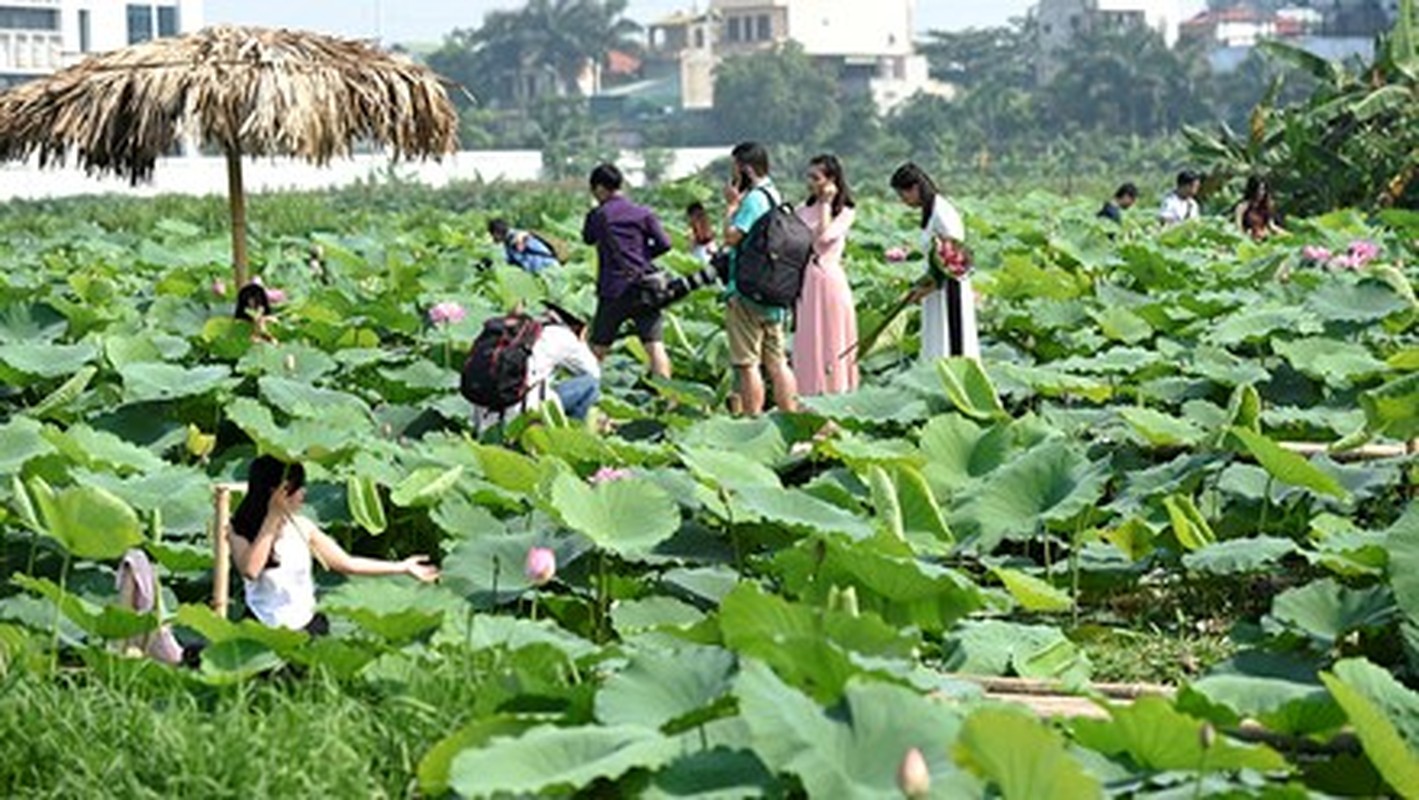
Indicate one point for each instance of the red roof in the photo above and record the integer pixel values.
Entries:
(619, 63)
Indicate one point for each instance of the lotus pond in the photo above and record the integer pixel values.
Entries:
(739, 609)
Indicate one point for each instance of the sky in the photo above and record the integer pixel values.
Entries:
(428, 20)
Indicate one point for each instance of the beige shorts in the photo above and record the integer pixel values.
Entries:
(753, 340)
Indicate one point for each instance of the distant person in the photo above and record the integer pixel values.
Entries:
(1180, 205)
(517, 362)
(253, 305)
(824, 342)
(948, 308)
(702, 244)
(628, 238)
(1124, 198)
(1256, 214)
(523, 249)
(272, 544)
(756, 332)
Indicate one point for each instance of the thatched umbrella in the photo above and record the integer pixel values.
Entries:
(248, 91)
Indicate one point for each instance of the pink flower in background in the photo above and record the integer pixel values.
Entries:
(1347, 261)
(256, 279)
(275, 296)
(1315, 253)
(610, 475)
(896, 255)
(1363, 252)
(447, 313)
(219, 287)
(541, 566)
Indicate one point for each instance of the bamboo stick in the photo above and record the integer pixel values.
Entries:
(1369, 452)
(222, 546)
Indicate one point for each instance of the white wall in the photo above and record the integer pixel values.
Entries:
(205, 175)
(852, 27)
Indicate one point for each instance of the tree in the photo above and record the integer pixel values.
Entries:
(1351, 143)
(515, 53)
(780, 96)
(1127, 82)
(977, 57)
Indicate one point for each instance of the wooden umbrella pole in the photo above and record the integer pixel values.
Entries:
(221, 551)
(236, 196)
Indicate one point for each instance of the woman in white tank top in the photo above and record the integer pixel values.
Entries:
(272, 545)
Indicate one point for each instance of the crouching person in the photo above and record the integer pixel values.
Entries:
(272, 545)
(520, 362)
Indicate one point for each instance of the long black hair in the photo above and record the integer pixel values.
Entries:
(833, 169)
(252, 295)
(909, 175)
(266, 476)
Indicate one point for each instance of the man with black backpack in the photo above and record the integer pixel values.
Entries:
(768, 248)
(513, 365)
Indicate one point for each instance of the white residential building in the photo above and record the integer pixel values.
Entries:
(869, 44)
(1059, 21)
(38, 37)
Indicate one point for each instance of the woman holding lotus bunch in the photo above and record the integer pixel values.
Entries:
(948, 308)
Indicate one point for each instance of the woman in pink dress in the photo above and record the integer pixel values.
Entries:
(825, 341)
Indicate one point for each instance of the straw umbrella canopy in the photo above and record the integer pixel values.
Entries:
(247, 91)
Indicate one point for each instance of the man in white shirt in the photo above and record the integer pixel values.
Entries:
(559, 346)
(1181, 204)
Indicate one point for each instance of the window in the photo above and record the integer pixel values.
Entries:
(140, 23)
(19, 18)
(733, 29)
(167, 20)
(85, 33)
(699, 38)
(766, 28)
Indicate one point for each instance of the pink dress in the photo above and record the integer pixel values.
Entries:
(825, 341)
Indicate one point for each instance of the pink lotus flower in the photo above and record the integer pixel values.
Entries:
(1363, 252)
(896, 255)
(256, 279)
(953, 257)
(1347, 261)
(913, 777)
(275, 296)
(447, 313)
(609, 475)
(219, 287)
(541, 566)
(1315, 253)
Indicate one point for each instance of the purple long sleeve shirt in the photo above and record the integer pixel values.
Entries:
(627, 238)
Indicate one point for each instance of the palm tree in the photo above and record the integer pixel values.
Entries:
(558, 38)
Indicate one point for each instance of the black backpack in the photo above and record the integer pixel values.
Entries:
(770, 262)
(495, 373)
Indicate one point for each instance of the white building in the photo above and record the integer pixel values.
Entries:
(868, 43)
(1059, 21)
(38, 37)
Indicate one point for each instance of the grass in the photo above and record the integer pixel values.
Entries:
(81, 736)
(1153, 655)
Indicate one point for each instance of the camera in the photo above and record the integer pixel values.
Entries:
(678, 288)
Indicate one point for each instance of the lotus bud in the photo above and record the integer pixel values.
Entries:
(275, 296)
(913, 777)
(541, 566)
(219, 287)
(896, 255)
(1315, 254)
(290, 362)
(1207, 737)
(387, 430)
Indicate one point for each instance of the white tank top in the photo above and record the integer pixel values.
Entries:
(284, 596)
